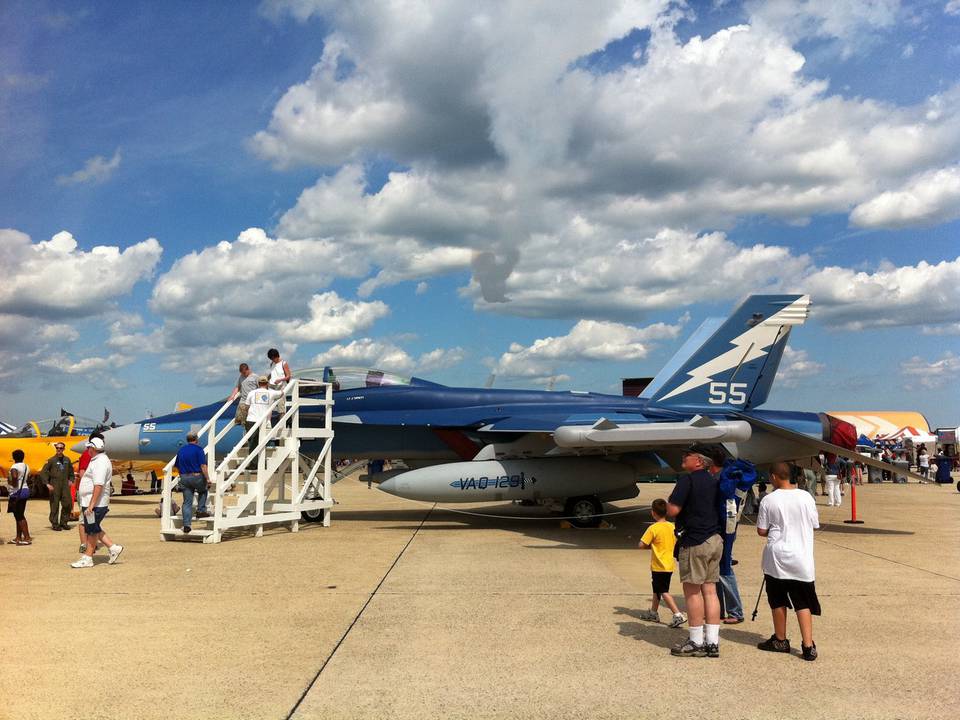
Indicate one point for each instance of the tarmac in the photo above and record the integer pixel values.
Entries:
(408, 610)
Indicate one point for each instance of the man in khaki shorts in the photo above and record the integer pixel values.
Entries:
(695, 504)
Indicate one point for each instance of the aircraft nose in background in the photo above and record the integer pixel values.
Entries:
(123, 442)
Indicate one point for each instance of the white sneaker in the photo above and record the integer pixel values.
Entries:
(84, 561)
(115, 551)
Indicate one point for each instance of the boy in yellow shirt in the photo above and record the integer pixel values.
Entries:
(660, 538)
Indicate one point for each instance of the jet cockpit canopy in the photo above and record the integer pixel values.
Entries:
(353, 378)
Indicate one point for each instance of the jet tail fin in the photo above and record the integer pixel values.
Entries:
(733, 367)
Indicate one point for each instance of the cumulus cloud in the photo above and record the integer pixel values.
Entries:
(98, 276)
(921, 294)
(952, 7)
(583, 273)
(95, 170)
(557, 187)
(332, 318)
(387, 356)
(932, 373)
(255, 278)
(930, 198)
(795, 365)
(587, 340)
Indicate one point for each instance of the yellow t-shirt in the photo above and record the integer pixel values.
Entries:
(661, 539)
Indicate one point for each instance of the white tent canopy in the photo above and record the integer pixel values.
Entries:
(918, 437)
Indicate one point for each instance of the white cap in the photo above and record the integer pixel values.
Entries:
(95, 443)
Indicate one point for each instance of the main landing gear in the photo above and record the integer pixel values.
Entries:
(583, 511)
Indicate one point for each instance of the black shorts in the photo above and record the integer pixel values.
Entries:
(17, 507)
(794, 594)
(661, 582)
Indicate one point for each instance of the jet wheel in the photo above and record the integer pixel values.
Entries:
(315, 515)
(583, 511)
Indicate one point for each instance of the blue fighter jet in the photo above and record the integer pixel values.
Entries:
(574, 449)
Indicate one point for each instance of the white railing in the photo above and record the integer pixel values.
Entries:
(276, 453)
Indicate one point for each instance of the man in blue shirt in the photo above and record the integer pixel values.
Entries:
(191, 463)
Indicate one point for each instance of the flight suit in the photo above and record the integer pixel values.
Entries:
(58, 472)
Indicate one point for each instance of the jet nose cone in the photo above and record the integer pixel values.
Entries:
(79, 447)
(123, 443)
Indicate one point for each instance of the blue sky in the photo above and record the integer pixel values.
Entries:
(554, 193)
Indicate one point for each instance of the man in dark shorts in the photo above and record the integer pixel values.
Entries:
(695, 504)
(787, 518)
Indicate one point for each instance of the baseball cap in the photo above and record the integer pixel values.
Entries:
(95, 443)
(263, 379)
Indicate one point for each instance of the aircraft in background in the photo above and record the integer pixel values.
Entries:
(578, 449)
(36, 439)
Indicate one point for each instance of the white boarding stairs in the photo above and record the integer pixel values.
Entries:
(272, 484)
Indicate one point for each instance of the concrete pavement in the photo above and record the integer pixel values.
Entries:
(403, 610)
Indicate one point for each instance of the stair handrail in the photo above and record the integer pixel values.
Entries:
(209, 427)
(225, 481)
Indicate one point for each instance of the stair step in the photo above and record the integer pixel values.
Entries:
(177, 532)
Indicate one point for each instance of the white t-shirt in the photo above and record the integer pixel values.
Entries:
(277, 374)
(24, 471)
(259, 401)
(98, 472)
(924, 460)
(790, 516)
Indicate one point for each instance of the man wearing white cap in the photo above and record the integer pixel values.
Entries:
(94, 498)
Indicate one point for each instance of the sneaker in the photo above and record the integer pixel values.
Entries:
(809, 653)
(712, 649)
(773, 644)
(56, 528)
(649, 616)
(688, 648)
(83, 548)
(203, 514)
(186, 530)
(115, 553)
(84, 561)
(678, 620)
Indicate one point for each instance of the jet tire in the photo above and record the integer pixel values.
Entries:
(315, 515)
(583, 511)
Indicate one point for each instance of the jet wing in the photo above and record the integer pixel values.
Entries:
(819, 445)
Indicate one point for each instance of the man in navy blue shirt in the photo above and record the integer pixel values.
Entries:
(191, 462)
(695, 503)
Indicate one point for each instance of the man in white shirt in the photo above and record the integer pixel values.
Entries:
(93, 495)
(259, 402)
(787, 519)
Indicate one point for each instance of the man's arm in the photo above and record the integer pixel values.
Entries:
(673, 510)
(763, 532)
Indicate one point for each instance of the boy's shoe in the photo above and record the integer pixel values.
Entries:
(809, 653)
(85, 561)
(649, 616)
(773, 644)
(688, 648)
(712, 649)
(678, 620)
(115, 551)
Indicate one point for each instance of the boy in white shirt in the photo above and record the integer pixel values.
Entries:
(787, 518)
